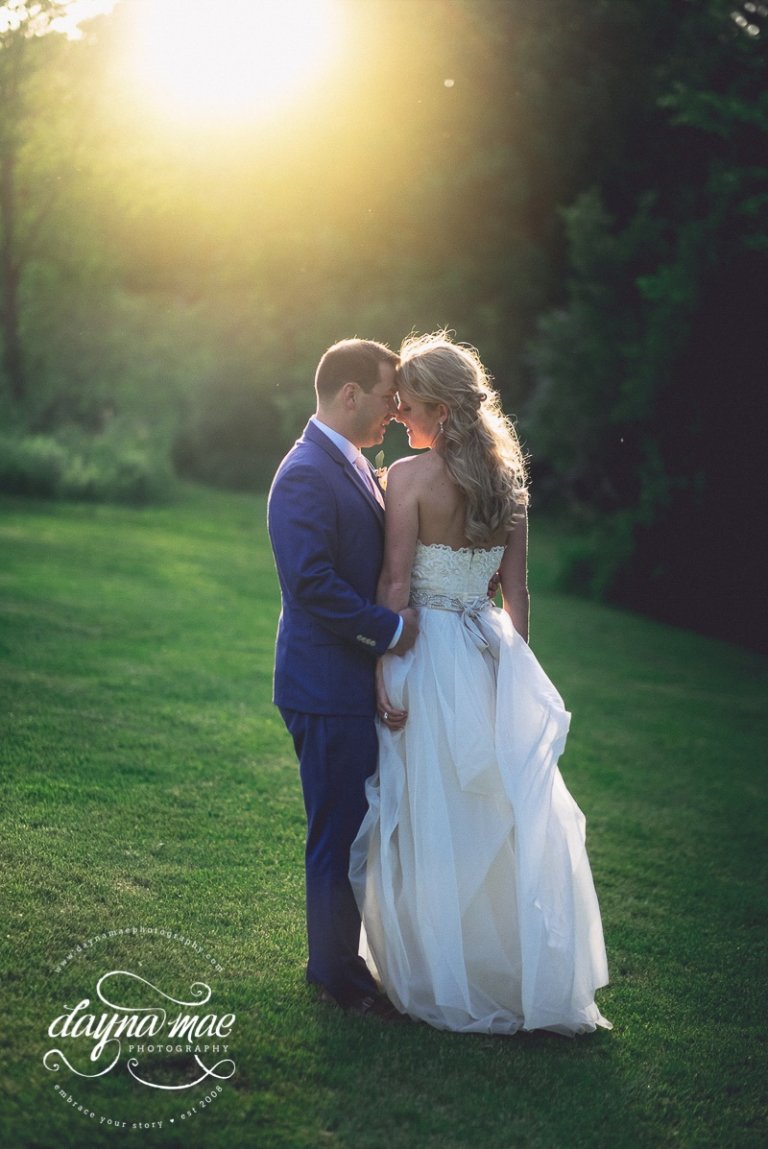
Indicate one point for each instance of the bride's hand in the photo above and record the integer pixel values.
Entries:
(389, 715)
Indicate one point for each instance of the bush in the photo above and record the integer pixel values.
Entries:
(99, 469)
(32, 466)
(234, 438)
(593, 563)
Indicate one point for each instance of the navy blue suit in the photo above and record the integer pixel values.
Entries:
(327, 534)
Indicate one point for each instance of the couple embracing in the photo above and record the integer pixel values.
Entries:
(447, 878)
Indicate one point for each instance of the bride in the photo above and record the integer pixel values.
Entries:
(470, 868)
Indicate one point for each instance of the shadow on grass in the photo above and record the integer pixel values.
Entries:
(399, 1085)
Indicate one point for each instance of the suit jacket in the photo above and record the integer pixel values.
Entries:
(327, 535)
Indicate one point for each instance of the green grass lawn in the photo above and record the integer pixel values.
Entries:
(148, 782)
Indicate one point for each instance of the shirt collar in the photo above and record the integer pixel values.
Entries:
(348, 450)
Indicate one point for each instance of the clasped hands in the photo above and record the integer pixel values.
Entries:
(392, 717)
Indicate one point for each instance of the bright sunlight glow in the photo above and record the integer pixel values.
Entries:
(229, 60)
(79, 10)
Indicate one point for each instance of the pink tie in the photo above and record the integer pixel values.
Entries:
(365, 473)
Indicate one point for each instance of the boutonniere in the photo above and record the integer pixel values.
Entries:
(381, 470)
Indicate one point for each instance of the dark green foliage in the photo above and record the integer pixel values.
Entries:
(234, 438)
(85, 468)
(32, 466)
(651, 376)
(700, 561)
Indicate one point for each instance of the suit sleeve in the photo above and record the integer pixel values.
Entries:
(304, 539)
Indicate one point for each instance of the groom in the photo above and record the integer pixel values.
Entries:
(326, 525)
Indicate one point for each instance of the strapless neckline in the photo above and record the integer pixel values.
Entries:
(459, 550)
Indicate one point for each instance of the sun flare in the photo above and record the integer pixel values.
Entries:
(233, 59)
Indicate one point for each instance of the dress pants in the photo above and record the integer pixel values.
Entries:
(336, 753)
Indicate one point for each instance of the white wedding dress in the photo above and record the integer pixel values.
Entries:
(470, 867)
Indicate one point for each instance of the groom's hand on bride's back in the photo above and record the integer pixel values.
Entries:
(410, 631)
(493, 584)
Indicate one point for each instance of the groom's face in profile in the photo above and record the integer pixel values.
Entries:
(375, 408)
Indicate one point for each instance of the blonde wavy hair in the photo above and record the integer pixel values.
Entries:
(478, 442)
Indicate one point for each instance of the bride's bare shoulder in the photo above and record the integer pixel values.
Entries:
(411, 468)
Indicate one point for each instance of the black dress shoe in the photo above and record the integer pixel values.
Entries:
(375, 1005)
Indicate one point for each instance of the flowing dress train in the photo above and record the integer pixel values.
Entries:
(470, 868)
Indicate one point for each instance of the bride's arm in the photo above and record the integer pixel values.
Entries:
(394, 589)
(402, 529)
(514, 576)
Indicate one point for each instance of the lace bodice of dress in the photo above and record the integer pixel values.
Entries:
(461, 574)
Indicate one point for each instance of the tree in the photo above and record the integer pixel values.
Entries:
(22, 24)
(651, 373)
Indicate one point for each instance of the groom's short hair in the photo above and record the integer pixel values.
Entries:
(351, 361)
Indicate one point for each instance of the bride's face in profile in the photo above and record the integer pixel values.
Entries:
(421, 420)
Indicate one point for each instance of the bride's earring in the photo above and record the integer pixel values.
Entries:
(440, 427)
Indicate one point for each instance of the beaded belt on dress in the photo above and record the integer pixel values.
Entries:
(449, 602)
